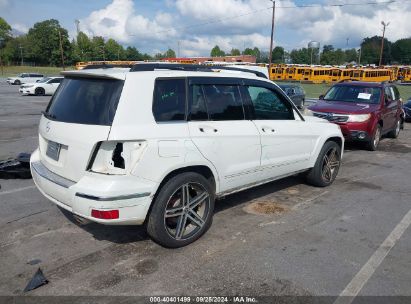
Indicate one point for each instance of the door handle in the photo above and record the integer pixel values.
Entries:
(267, 129)
(206, 129)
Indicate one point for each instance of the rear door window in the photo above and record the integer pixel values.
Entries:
(169, 102)
(85, 101)
(223, 102)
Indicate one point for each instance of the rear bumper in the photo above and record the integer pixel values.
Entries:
(131, 196)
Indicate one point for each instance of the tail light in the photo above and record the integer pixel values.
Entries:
(116, 157)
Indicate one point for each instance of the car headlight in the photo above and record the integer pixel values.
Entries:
(28, 86)
(358, 117)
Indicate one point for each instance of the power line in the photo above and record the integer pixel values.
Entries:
(219, 20)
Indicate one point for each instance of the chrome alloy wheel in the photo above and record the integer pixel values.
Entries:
(186, 211)
(330, 166)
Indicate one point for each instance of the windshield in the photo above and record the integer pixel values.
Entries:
(44, 80)
(85, 101)
(357, 94)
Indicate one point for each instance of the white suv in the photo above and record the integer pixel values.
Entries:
(24, 78)
(156, 147)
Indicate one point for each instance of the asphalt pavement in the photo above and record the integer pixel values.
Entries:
(352, 238)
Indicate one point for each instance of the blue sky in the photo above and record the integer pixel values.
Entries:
(153, 26)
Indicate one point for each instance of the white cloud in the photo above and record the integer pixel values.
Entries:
(21, 28)
(199, 25)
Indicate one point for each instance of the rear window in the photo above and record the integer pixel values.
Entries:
(85, 101)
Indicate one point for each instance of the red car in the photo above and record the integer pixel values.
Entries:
(364, 111)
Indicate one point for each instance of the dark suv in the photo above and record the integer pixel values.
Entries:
(364, 111)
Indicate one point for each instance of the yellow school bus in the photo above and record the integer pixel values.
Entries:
(406, 74)
(277, 73)
(293, 73)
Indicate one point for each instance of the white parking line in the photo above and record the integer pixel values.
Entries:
(16, 190)
(17, 139)
(18, 119)
(362, 277)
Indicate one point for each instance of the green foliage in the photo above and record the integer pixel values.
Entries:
(401, 51)
(44, 42)
(5, 30)
(370, 50)
(278, 54)
(216, 52)
(253, 52)
(235, 52)
(301, 56)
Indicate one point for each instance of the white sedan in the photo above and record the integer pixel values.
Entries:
(46, 86)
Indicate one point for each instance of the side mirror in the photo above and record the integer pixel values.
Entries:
(321, 97)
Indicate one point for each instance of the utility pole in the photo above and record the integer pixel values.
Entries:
(21, 54)
(272, 36)
(1, 55)
(382, 40)
(178, 48)
(359, 56)
(61, 50)
(77, 22)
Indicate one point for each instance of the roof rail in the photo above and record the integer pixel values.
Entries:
(106, 66)
(144, 67)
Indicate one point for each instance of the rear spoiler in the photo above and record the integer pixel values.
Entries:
(101, 74)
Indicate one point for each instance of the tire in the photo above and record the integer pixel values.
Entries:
(168, 212)
(326, 166)
(394, 133)
(373, 143)
(17, 82)
(40, 92)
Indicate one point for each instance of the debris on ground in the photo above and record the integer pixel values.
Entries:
(16, 168)
(37, 280)
(265, 208)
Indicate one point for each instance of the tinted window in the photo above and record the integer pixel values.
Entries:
(169, 100)
(388, 94)
(45, 79)
(198, 110)
(55, 80)
(269, 105)
(357, 94)
(86, 101)
(223, 102)
(396, 93)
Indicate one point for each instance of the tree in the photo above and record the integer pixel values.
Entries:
(113, 50)
(99, 48)
(253, 52)
(217, 52)
(401, 51)
(5, 29)
(301, 56)
(370, 50)
(235, 52)
(170, 54)
(328, 48)
(351, 55)
(44, 42)
(278, 54)
(83, 48)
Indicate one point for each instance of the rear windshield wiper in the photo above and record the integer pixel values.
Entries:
(48, 115)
